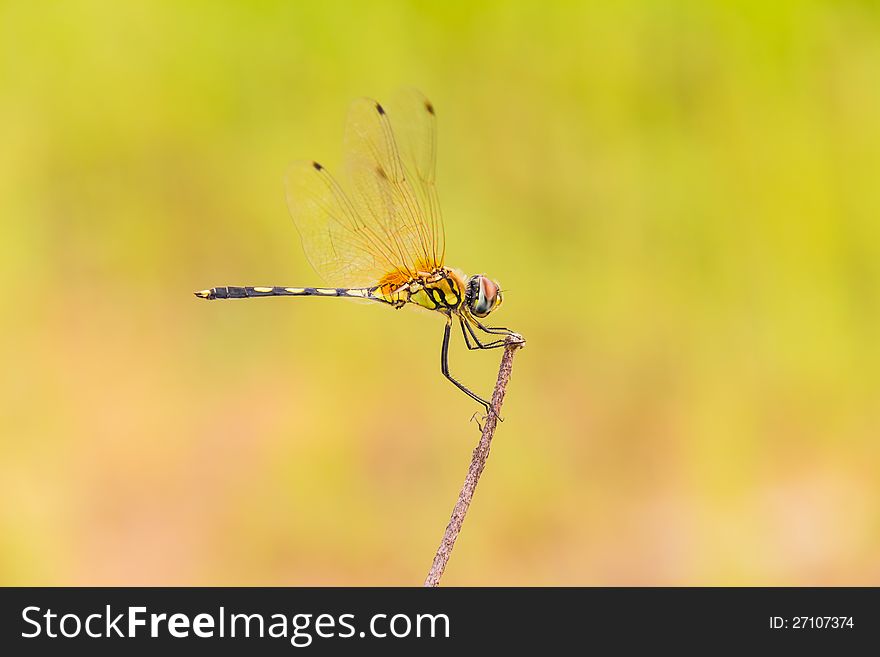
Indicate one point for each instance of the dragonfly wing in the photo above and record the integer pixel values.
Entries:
(385, 225)
(415, 124)
(386, 188)
(333, 237)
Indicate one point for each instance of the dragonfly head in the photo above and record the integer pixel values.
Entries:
(482, 295)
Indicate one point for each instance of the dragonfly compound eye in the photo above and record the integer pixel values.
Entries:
(482, 296)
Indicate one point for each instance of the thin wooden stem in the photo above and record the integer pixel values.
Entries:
(478, 462)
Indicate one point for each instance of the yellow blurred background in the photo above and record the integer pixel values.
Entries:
(681, 200)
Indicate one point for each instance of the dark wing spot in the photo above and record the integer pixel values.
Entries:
(429, 107)
(380, 109)
(317, 166)
(381, 173)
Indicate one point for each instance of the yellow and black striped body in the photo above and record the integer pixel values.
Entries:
(236, 292)
(441, 290)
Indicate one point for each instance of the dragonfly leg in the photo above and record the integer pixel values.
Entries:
(464, 334)
(496, 330)
(444, 367)
(466, 329)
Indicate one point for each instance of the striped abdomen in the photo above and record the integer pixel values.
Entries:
(232, 292)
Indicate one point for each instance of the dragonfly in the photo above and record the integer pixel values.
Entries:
(379, 235)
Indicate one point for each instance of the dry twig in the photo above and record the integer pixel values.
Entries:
(478, 462)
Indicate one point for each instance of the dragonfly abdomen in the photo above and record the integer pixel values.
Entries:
(235, 292)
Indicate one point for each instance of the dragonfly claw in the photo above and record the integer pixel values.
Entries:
(480, 419)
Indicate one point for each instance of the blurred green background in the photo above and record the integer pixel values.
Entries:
(682, 200)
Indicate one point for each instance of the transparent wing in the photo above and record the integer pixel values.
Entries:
(386, 223)
(415, 124)
(338, 244)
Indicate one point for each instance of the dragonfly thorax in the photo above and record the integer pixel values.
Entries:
(442, 290)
